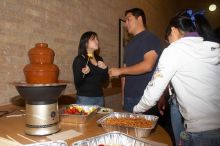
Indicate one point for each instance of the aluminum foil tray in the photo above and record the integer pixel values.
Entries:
(138, 132)
(78, 119)
(49, 143)
(114, 138)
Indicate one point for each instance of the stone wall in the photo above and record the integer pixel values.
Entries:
(60, 23)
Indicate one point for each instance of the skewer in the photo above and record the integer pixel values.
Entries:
(7, 142)
(12, 139)
(26, 138)
(18, 115)
(90, 56)
(86, 65)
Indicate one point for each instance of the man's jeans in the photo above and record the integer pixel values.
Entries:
(176, 120)
(205, 138)
(90, 100)
(130, 102)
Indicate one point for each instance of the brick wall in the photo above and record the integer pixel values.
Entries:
(60, 23)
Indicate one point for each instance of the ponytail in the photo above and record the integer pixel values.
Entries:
(187, 21)
(204, 29)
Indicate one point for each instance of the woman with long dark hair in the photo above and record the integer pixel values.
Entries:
(89, 71)
(192, 64)
(186, 22)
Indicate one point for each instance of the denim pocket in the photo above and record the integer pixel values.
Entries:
(205, 138)
(185, 138)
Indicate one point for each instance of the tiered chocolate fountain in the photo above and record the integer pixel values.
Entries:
(41, 91)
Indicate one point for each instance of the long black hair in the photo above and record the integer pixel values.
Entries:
(82, 49)
(186, 21)
(217, 33)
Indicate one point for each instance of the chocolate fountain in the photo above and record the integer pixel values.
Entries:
(41, 91)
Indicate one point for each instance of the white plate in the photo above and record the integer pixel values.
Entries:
(104, 110)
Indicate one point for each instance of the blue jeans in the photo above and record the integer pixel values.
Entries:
(205, 138)
(130, 102)
(176, 121)
(90, 100)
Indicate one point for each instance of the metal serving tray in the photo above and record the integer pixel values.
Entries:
(78, 119)
(114, 138)
(137, 131)
(49, 143)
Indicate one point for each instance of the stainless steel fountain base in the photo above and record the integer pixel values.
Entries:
(42, 119)
(42, 131)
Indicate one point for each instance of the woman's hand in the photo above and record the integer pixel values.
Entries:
(86, 70)
(102, 65)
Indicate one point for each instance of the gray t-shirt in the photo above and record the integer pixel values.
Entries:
(134, 53)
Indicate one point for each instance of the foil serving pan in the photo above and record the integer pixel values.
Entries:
(49, 143)
(114, 138)
(137, 131)
(78, 119)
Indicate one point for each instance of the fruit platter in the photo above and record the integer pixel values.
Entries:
(77, 114)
